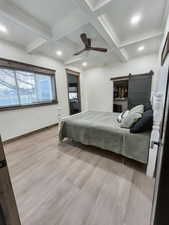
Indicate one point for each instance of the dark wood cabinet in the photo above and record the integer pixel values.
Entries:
(120, 101)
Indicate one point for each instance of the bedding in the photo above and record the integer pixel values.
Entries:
(102, 130)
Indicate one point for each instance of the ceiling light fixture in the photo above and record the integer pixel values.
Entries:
(141, 48)
(3, 28)
(59, 53)
(135, 19)
(84, 64)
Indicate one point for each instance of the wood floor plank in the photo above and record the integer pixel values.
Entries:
(69, 183)
(110, 206)
(140, 200)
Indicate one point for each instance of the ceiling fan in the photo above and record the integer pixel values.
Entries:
(88, 47)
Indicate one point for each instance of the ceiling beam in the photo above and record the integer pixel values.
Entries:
(73, 60)
(103, 27)
(143, 38)
(124, 53)
(114, 41)
(165, 14)
(19, 16)
(109, 30)
(36, 44)
(62, 29)
(69, 24)
(98, 5)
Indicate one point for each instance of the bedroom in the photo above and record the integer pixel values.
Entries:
(100, 176)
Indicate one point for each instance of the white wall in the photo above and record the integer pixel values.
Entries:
(99, 88)
(17, 122)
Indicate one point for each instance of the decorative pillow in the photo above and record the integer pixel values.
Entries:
(138, 109)
(122, 116)
(144, 124)
(131, 118)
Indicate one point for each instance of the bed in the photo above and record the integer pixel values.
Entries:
(102, 130)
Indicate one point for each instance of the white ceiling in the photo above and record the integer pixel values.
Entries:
(16, 33)
(47, 26)
(151, 45)
(48, 12)
(151, 11)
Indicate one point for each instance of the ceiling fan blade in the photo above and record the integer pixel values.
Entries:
(89, 43)
(84, 39)
(80, 52)
(98, 49)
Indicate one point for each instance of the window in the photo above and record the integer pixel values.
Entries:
(19, 88)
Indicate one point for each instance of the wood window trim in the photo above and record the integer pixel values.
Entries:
(14, 65)
(11, 64)
(151, 73)
(73, 72)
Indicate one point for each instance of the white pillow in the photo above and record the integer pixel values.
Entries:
(122, 116)
(138, 109)
(131, 118)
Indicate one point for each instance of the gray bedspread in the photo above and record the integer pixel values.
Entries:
(102, 130)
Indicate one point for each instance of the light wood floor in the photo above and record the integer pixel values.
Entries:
(71, 184)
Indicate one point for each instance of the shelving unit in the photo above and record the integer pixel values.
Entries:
(131, 90)
(120, 101)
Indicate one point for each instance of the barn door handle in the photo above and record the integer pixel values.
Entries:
(3, 164)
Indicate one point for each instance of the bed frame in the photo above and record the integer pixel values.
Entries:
(157, 104)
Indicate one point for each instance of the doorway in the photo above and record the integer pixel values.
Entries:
(74, 99)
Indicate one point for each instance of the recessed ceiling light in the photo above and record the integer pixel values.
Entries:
(84, 64)
(59, 53)
(141, 48)
(3, 28)
(135, 19)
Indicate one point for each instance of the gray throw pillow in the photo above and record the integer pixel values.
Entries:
(138, 109)
(130, 120)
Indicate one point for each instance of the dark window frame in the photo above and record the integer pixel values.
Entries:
(14, 65)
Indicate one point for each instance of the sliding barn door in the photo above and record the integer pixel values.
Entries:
(139, 89)
(8, 209)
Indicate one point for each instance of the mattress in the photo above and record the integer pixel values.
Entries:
(102, 130)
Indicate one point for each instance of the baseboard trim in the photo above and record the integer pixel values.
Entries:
(29, 133)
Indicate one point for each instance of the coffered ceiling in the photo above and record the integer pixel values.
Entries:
(49, 26)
